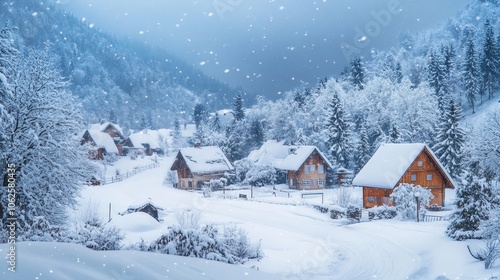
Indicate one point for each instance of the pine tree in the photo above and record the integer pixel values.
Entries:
(394, 135)
(198, 114)
(472, 209)
(338, 132)
(489, 61)
(450, 140)
(112, 116)
(357, 74)
(239, 112)
(257, 133)
(437, 78)
(363, 147)
(470, 74)
(216, 125)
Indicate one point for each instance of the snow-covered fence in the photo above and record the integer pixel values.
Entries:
(121, 177)
(433, 218)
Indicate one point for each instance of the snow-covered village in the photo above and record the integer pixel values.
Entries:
(226, 139)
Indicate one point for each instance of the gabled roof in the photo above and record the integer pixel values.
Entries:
(284, 157)
(390, 162)
(204, 159)
(102, 127)
(103, 140)
(149, 137)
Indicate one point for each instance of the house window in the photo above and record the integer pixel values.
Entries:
(320, 183)
(306, 183)
(429, 177)
(306, 169)
(371, 199)
(320, 168)
(420, 163)
(413, 177)
(312, 168)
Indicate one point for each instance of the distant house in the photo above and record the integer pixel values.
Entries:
(113, 130)
(147, 207)
(100, 144)
(195, 166)
(305, 166)
(393, 164)
(146, 141)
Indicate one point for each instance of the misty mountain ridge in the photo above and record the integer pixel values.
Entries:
(114, 77)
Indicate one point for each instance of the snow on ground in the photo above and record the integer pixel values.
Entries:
(298, 242)
(52, 261)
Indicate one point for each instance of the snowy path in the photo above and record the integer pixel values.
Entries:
(300, 242)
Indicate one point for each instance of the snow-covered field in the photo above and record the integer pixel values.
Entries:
(298, 241)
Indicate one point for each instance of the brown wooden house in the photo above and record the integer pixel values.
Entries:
(305, 166)
(195, 166)
(113, 130)
(100, 144)
(393, 164)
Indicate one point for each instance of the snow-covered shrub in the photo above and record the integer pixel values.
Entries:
(239, 245)
(254, 174)
(491, 252)
(139, 246)
(382, 212)
(90, 231)
(110, 159)
(231, 247)
(405, 200)
(337, 213)
(171, 178)
(261, 174)
(188, 218)
(41, 230)
(353, 213)
(343, 197)
(207, 190)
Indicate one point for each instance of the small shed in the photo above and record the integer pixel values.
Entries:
(393, 164)
(146, 206)
(198, 165)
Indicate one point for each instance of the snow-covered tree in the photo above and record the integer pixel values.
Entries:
(437, 79)
(450, 140)
(489, 61)
(239, 111)
(357, 73)
(260, 174)
(394, 135)
(42, 142)
(199, 114)
(470, 76)
(339, 133)
(472, 208)
(404, 197)
(362, 153)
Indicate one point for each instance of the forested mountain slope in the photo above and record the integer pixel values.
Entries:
(115, 78)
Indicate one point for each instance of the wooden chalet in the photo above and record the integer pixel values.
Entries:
(393, 164)
(113, 130)
(198, 165)
(100, 144)
(305, 166)
(145, 142)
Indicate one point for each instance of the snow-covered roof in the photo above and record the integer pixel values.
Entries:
(102, 126)
(282, 156)
(389, 163)
(140, 203)
(145, 137)
(103, 140)
(205, 159)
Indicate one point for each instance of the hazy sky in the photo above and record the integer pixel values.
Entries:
(270, 46)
